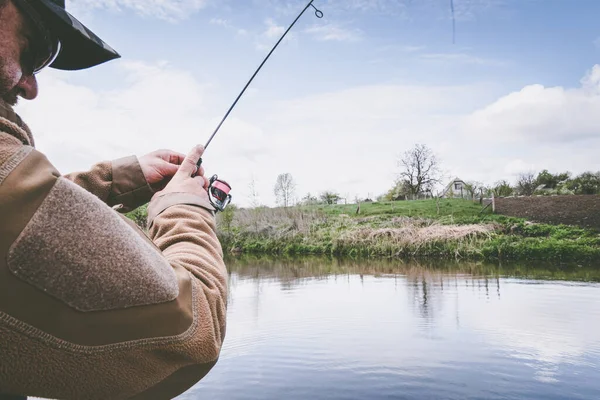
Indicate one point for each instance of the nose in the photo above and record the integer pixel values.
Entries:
(28, 87)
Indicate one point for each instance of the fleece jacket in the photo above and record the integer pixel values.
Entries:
(91, 307)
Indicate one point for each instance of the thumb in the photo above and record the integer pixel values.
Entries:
(188, 166)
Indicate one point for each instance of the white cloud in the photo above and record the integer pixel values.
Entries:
(381, 6)
(225, 23)
(538, 115)
(517, 166)
(346, 140)
(410, 49)
(171, 10)
(273, 31)
(542, 338)
(220, 22)
(333, 32)
(463, 9)
(72, 122)
(461, 58)
(590, 83)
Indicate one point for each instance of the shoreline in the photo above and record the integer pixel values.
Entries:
(459, 232)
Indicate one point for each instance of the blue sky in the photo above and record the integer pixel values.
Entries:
(342, 97)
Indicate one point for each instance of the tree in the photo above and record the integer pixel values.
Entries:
(254, 199)
(586, 183)
(284, 189)
(551, 181)
(328, 197)
(400, 191)
(227, 217)
(473, 188)
(487, 190)
(526, 183)
(419, 169)
(502, 189)
(309, 199)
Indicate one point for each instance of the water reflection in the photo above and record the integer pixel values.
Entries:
(344, 329)
(291, 269)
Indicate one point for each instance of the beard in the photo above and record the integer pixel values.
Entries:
(8, 93)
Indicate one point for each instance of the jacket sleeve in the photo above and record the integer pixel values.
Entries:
(117, 182)
(93, 308)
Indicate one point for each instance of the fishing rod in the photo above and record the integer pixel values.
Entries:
(218, 190)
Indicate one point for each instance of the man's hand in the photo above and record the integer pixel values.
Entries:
(188, 179)
(160, 166)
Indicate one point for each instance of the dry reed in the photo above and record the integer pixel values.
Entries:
(415, 234)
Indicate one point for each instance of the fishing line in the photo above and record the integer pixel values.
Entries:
(453, 22)
(318, 14)
(218, 190)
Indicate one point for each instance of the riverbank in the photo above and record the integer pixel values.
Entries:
(448, 229)
(285, 269)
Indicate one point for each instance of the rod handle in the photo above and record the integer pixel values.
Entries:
(198, 165)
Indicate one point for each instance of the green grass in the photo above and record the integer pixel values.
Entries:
(402, 229)
(407, 229)
(452, 208)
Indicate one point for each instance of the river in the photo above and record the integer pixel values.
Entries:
(323, 329)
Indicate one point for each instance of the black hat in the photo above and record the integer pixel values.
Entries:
(80, 47)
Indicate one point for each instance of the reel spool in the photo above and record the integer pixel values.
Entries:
(218, 193)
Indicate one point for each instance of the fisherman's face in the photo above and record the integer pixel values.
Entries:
(17, 39)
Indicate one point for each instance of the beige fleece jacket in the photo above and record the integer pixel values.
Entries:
(91, 307)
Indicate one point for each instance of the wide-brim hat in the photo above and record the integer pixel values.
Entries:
(80, 47)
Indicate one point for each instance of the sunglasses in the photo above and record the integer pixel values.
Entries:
(45, 48)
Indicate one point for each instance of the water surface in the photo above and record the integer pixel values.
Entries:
(322, 329)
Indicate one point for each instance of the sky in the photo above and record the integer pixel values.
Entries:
(516, 89)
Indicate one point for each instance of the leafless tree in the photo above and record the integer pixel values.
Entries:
(284, 189)
(419, 169)
(526, 183)
(253, 193)
(473, 188)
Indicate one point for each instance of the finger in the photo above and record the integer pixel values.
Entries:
(188, 166)
(199, 172)
(162, 154)
(167, 170)
(176, 158)
(202, 181)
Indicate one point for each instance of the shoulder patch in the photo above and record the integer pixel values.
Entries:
(9, 160)
(9, 146)
(81, 252)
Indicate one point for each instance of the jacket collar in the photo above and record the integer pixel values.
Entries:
(12, 124)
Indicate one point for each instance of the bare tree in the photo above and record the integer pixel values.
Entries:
(284, 189)
(419, 169)
(526, 183)
(253, 194)
(472, 188)
(309, 199)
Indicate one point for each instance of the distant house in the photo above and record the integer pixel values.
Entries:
(455, 189)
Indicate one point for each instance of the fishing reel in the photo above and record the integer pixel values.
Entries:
(218, 193)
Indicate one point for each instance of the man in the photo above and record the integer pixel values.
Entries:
(91, 307)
